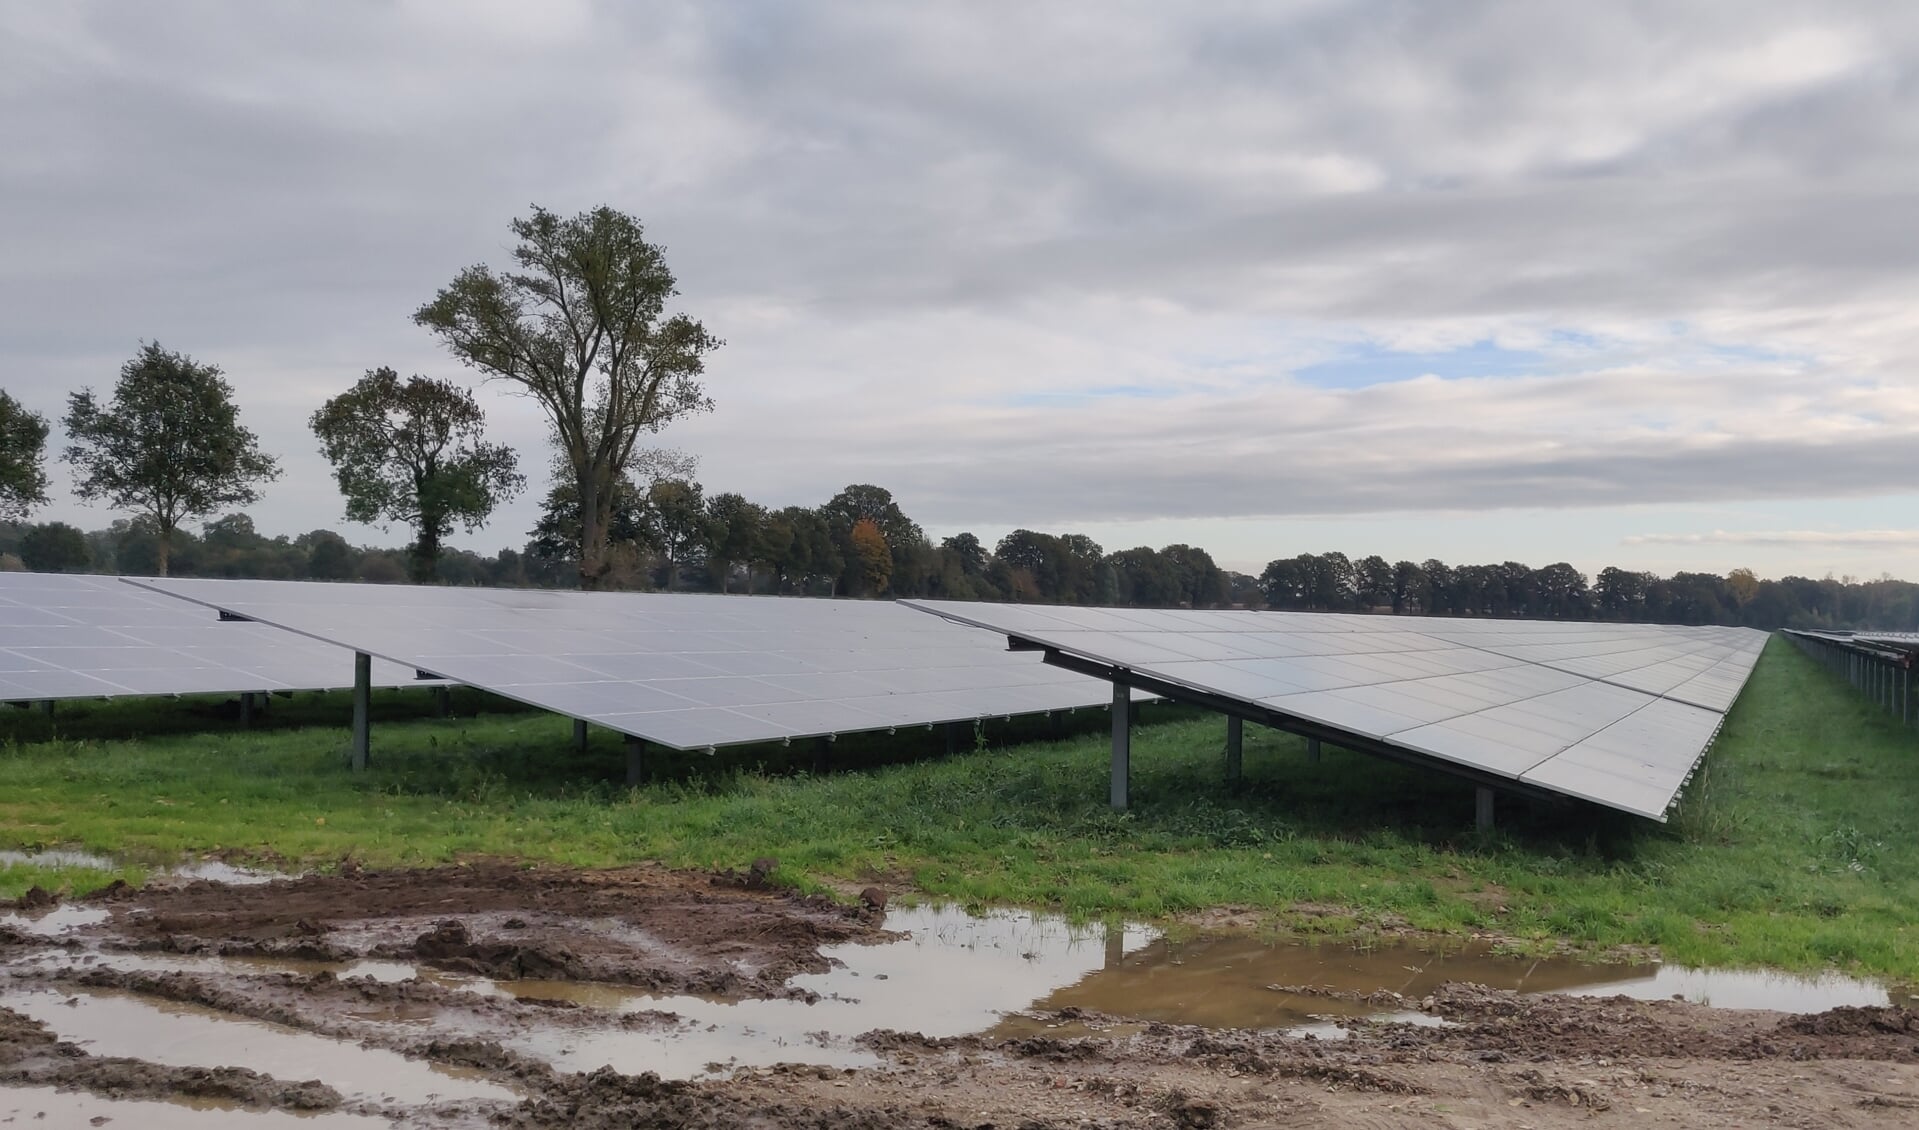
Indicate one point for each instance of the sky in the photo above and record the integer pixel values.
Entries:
(1616, 284)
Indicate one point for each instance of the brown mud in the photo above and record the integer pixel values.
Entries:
(507, 983)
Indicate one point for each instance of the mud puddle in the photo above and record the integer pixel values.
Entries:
(1237, 981)
(1004, 974)
(56, 1110)
(184, 1035)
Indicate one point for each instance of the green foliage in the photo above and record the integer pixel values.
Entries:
(1755, 869)
(582, 328)
(54, 547)
(415, 453)
(169, 445)
(23, 443)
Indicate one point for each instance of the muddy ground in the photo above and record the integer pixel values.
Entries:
(284, 953)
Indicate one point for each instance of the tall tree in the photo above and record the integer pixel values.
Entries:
(169, 445)
(738, 529)
(677, 525)
(415, 452)
(872, 559)
(582, 327)
(23, 449)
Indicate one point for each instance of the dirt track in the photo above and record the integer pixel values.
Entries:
(212, 952)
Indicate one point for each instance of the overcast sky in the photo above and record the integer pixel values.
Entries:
(1624, 283)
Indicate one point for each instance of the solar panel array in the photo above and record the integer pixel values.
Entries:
(68, 636)
(685, 670)
(1615, 714)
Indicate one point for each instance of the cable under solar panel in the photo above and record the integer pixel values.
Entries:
(1615, 714)
(68, 636)
(682, 669)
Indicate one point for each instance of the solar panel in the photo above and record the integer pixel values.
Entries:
(68, 636)
(685, 670)
(1615, 714)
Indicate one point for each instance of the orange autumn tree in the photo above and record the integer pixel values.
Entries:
(875, 559)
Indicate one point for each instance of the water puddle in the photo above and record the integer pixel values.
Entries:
(184, 1035)
(46, 1107)
(211, 870)
(55, 920)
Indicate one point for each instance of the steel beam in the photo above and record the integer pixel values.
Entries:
(1312, 751)
(1235, 738)
(635, 760)
(1122, 745)
(579, 733)
(1483, 808)
(246, 708)
(362, 709)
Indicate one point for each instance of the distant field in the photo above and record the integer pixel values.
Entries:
(1795, 848)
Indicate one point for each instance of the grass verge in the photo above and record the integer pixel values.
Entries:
(1794, 849)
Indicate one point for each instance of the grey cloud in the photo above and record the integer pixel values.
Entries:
(906, 221)
(1874, 539)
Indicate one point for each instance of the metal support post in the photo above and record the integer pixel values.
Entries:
(1122, 746)
(579, 733)
(1055, 725)
(362, 709)
(1235, 735)
(952, 738)
(823, 755)
(246, 708)
(1312, 751)
(635, 759)
(1115, 944)
(1483, 808)
(46, 707)
(442, 702)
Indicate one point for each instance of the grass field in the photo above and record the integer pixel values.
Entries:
(1795, 847)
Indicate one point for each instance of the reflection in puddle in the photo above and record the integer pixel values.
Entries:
(57, 920)
(183, 1035)
(58, 857)
(44, 1106)
(211, 870)
(955, 975)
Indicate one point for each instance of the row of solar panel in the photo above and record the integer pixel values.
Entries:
(1613, 713)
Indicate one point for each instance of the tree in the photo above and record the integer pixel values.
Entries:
(970, 553)
(168, 446)
(871, 556)
(582, 328)
(904, 538)
(738, 530)
(1373, 580)
(414, 452)
(678, 526)
(54, 548)
(329, 558)
(1744, 585)
(1202, 584)
(23, 448)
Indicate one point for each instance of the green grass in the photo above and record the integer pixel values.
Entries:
(1795, 847)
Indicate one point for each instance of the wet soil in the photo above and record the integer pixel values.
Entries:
(507, 983)
(646, 926)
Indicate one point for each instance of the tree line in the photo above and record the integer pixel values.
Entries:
(580, 324)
